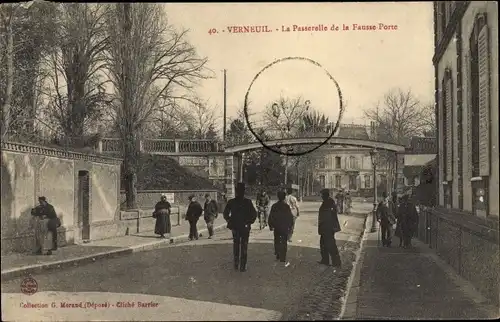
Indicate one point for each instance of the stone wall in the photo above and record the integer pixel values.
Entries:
(31, 171)
(467, 243)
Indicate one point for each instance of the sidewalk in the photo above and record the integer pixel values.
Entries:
(396, 283)
(14, 265)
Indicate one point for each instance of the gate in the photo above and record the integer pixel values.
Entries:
(84, 204)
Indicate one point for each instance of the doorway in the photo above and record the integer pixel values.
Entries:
(84, 204)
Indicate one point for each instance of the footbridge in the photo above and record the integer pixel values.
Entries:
(224, 163)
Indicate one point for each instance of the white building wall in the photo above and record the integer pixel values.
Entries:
(475, 8)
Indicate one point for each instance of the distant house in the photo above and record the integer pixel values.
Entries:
(347, 167)
(418, 154)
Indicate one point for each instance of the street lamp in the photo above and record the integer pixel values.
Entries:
(373, 156)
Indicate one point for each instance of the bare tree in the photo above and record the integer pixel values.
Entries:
(148, 60)
(283, 117)
(429, 120)
(201, 119)
(25, 31)
(77, 93)
(401, 116)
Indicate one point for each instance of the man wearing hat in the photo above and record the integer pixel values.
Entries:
(386, 216)
(328, 225)
(193, 214)
(240, 214)
(46, 220)
(210, 212)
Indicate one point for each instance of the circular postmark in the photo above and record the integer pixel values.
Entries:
(29, 286)
(278, 146)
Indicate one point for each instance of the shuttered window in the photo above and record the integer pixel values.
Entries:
(468, 108)
(449, 126)
(479, 74)
(484, 101)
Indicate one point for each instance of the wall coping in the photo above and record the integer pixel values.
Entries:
(487, 228)
(173, 191)
(59, 153)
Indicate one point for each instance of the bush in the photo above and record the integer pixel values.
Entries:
(164, 173)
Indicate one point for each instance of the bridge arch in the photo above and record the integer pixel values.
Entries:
(362, 143)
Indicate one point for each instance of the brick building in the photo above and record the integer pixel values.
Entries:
(463, 228)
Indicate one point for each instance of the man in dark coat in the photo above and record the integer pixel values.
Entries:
(281, 222)
(46, 212)
(162, 215)
(193, 214)
(328, 225)
(386, 217)
(240, 214)
(210, 212)
(409, 220)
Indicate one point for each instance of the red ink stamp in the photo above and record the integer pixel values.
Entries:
(29, 286)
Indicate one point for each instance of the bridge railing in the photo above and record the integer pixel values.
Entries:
(159, 146)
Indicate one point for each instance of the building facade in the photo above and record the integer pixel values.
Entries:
(463, 228)
(349, 168)
(466, 65)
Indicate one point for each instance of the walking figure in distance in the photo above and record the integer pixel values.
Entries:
(263, 207)
(240, 214)
(162, 215)
(409, 220)
(328, 225)
(210, 212)
(193, 214)
(386, 217)
(294, 206)
(280, 222)
(340, 201)
(348, 202)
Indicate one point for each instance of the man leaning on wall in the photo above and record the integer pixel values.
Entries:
(45, 221)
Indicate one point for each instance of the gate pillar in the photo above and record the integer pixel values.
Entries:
(229, 176)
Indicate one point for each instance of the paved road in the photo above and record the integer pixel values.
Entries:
(191, 281)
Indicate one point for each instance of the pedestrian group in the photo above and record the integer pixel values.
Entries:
(399, 213)
(239, 213)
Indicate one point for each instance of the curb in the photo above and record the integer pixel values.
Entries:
(13, 273)
(349, 305)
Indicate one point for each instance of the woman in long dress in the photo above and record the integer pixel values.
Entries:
(162, 215)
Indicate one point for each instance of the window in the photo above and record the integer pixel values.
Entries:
(322, 181)
(479, 90)
(322, 163)
(338, 181)
(367, 181)
(353, 182)
(338, 164)
(447, 121)
(353, 164)
(383, 182)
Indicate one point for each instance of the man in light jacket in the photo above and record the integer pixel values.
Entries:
(294, 206)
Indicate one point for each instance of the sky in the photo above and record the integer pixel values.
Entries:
(365, 63)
